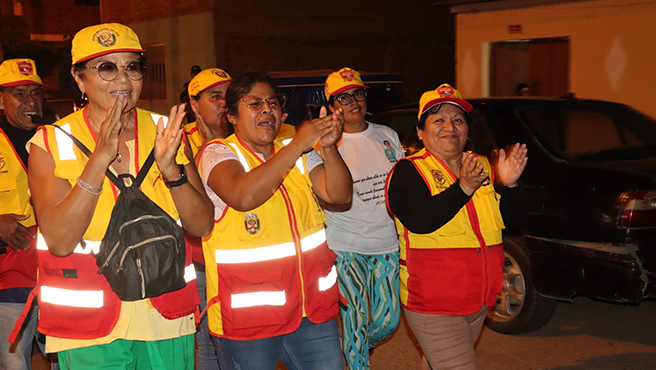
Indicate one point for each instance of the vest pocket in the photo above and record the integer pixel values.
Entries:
(439, 278)
(496, 260)
(490, 212)
(257, 298)
(70, 290)
(456, 226)
(9, 194)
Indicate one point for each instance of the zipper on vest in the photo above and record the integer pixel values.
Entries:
(296, 237)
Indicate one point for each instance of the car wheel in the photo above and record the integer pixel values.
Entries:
(520, 308)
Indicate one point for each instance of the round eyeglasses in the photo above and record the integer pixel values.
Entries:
(256, 103)
(346, 98)
(108, 71)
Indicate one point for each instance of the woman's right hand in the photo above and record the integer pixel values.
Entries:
(110, 132)
(310, 132)
(471, 174)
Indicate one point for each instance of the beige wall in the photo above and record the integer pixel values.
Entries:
(612, 47)
(188, 40)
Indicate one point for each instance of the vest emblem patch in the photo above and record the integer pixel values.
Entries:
(439, 177)
(252, 223)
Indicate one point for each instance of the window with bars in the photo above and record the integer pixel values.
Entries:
(155, 81)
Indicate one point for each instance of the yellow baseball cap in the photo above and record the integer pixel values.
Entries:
(102, 39)
(445, 93)
(342, 80)
(207, 78)
(17, 72)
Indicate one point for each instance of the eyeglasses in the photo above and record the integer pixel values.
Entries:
(345, 98)
(256, 104)
(108, 71)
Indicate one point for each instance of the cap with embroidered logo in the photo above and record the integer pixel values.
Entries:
(342, 80)
(17, 72)
(207, 78)
(102, 39)
(445, 93)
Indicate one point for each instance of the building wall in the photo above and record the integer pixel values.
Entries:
(413, 37)
(611, 53)
(182, 50)
(129, 11)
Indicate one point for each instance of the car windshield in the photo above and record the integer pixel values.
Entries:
(593, 132)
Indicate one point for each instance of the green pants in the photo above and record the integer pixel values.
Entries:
(169, 354)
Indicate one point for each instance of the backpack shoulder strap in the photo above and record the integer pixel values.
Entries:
(145, 168)
(88, 153)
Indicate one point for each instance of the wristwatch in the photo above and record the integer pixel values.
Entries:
(182, 179)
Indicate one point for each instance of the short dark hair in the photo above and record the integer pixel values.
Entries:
(422, 120)
(195, 69)
(242, 85)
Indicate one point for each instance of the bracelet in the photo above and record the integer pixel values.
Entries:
(94, 190)
(182, 179)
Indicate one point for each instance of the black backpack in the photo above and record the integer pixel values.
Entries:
(142, 254)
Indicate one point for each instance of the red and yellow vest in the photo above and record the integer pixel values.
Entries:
(17, 269)
(69, 288)
(457, 268)
(195, 141)
(193, 137)
(270, 266)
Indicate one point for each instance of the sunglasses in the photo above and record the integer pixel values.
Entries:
(108, 71)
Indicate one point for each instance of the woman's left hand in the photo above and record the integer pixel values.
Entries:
(335, 132)
(510, 166)
(168, 142)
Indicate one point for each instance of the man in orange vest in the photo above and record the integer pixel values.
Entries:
(21, 100)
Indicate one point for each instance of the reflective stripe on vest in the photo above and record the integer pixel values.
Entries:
(299, 161)
(72, 298)
(65, 144)
(312, 241)
(156, 118)
(270, 252)
(242, 159)
(327, 282)
(258, 299)
(190, 273)
(83, 247)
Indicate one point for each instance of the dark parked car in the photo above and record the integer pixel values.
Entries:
(590, 188)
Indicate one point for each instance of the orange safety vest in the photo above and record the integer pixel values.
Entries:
(76, 302)
(17, 269)
(457, 268)
(269, 266)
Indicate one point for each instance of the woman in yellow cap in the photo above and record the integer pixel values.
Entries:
(448, 213)
(363, 236)
(84, 320)
(271, 283)
(206, 92)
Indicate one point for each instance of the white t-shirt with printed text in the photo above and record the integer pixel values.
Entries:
(366, 227)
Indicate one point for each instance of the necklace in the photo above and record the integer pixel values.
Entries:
(118, 156)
